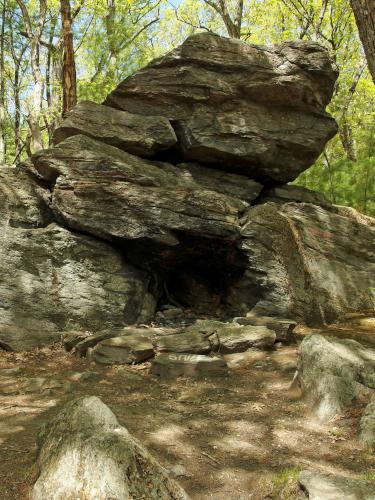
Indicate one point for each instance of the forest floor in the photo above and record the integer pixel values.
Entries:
(244, 436)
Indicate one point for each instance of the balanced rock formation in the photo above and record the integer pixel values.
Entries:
(173, 193)
(85, 453)
(255, 110)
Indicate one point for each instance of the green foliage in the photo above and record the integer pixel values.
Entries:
(113, 38)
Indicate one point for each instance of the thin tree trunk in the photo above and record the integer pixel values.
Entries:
(364, 13)
(69, 83)
(17, 112)
(2, 88)
(328, 163)
(36, 142)
(346, 137)
(233, 26)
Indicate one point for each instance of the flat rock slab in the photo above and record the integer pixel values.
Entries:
(128, 349)
(189, 365)
(85, 453)
(251, 109)
(240, 338)
(101, 190)
(334, 372)
(185, 342)
(136, 134)
(148, 333)
(234, 185)
(230, 337)
(327, 487)
(282, 327)
(290, 192)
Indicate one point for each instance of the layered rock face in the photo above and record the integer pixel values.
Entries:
(53, 279)
(308, 260)
(255, 110)
(117, 222)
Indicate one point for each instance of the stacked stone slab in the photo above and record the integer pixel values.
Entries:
(186, 161)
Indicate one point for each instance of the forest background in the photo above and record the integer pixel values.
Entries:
(110, 39)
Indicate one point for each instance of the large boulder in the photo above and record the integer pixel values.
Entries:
(111, 194)
(53, 280)
(139, 135)
(85, 454)
(334, 373)
(306, 263)
(255, 110)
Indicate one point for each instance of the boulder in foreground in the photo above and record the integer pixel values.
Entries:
(84, 454)
(334, 373)
(320, 486)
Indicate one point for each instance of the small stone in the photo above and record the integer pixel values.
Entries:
(10, 371)
(173, 313)
(178, 470)
(86, 377)
(71, 339)
(34, 384)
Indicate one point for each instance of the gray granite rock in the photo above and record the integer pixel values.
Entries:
(188, 365)
(139, 135)
(255, 110)
(85, 453)
(320, 486)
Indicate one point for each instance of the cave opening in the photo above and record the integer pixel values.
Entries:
(204, 277)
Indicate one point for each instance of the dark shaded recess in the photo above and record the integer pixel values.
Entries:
(198, 273)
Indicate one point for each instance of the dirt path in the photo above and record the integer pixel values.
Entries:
(239, 437)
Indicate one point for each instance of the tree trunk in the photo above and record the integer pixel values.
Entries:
(34, 36)
(69, 83)
(233, 26)
(364, 13)
(17, 113)
(2, 88)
